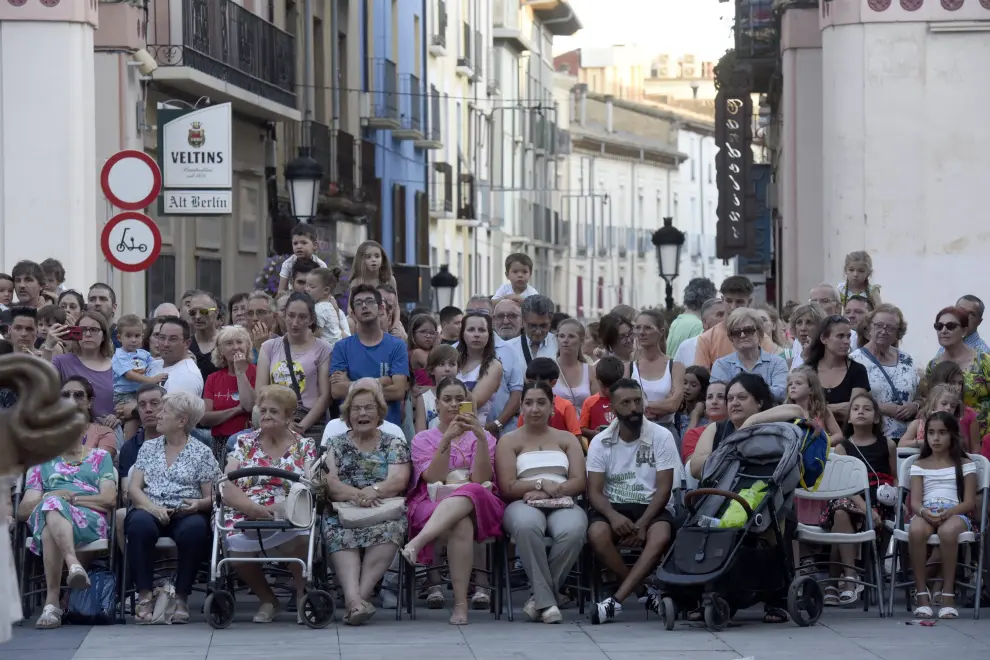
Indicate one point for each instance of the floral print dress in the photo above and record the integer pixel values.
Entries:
(362, 469)
(266, 491)
(80, 477)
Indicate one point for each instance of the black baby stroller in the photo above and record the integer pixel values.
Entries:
(726, 569)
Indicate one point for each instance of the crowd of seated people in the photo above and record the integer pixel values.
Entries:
(504, 423)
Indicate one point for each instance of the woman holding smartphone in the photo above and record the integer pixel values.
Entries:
(451, 499)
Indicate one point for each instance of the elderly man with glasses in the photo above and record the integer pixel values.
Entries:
(536, 340)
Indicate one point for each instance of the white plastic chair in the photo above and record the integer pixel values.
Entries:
(846, 476)
(966, 539)
(904, 453)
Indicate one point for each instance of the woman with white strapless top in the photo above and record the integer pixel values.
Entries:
(577, 380)
(540, 470)
(661, 378)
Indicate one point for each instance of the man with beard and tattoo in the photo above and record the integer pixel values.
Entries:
(631, 469)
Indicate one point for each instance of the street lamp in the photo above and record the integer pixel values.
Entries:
(669, 240)
(303, 176)
(443, 284)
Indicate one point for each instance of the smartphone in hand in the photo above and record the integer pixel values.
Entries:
(74, 333)
(466, 408)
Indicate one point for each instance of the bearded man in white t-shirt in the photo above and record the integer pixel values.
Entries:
(631, 470)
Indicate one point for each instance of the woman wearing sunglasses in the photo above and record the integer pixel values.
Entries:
(745, 330)
(79, 391)
(952, 326)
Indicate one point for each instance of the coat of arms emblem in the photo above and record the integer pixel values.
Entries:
(197, 135)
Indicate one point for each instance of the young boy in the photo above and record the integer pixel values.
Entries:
(563, 417)
(48, 316)
(320, 284)
(54, 276)
(440, 363)
(130, 363)
(304, 240)
(518, 270)
(450, 324)
(596, 413)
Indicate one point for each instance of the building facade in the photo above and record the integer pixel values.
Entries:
(631, 165)
(856, 169)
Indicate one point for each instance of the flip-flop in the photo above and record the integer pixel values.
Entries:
(408, 554)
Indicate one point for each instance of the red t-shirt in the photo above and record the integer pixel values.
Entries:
(221, 389)
(596, 412)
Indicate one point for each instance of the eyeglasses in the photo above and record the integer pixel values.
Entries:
(951, 326)
(743, 332)
(75, 394)
(90, 331)
(822, 301)
(170, 339)
(202, 312)
(884, 328)
(368, 408)
(365, 302)
(507, 317)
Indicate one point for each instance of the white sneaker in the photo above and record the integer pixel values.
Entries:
(604, 611)
(551, 615)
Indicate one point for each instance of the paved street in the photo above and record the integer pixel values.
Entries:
(842, 633)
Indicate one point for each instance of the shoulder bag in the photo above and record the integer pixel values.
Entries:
(353, 516)
(893, 390)
(316, 430)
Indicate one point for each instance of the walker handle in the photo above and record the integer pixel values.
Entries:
(698, 492)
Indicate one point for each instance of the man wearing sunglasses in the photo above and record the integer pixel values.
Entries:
(203, 314)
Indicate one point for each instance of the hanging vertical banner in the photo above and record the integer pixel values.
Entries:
(733, 138)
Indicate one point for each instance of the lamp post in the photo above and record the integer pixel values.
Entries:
(303, 176)
(443, 285)
(669, 240)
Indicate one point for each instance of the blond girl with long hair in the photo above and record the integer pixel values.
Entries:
(805, 390)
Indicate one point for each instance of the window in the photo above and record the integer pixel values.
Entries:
(209, 276)
(159, 282)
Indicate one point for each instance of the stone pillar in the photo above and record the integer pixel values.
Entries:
(800, 166)
(906, 88)
(48, 166)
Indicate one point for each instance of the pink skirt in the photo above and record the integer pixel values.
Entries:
(488, 510)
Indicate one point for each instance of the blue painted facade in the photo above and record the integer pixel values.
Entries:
(397, 161)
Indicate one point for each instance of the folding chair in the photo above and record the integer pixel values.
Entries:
(971, 541)
(846, 476)
(408, 575)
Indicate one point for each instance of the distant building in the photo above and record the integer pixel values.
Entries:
(616, 70)
(674, 78)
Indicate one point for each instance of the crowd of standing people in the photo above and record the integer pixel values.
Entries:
(505, 417)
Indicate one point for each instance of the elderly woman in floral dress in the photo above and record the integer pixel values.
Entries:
(65, 504)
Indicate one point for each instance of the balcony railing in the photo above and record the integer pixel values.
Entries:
(464, 57)
(411, 100)
(223, 40)
(433, 137)
(442, 189)
(384, 94)
(439, 37)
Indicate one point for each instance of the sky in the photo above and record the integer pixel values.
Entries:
(701, 27)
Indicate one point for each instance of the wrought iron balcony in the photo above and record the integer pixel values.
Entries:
(433, 138)
(227, 42)
(438, 40)
(411, 100)
(383, 112)
(442, 191)
(464, 65)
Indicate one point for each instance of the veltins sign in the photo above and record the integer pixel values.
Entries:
(196, 148)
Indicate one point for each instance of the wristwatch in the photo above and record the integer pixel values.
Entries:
(498, 426)
(539, 485)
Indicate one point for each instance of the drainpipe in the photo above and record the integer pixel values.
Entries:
(426, 113)
(336, 87)
(701, 199)
(309, 76)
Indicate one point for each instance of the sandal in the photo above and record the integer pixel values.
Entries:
(144, 611)
(948, 612)
(434, 597)
(77, 578)
(456, 618)
(266, 613)
(831, 596)
(181, 613)
(51, 617)
(481, 599)
(923, 611)
(775, 615)
(359, 614)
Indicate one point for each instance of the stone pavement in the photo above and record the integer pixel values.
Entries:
(848, 634)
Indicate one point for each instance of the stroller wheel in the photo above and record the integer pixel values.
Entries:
(805, 601)
(219, 608)
(317, 608)
(668, 612)
(717, 613)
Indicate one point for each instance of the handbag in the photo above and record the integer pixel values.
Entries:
(316, 430)
(164, 604)
(455, 479)
(353, 516)
(562, 502)
(299, 505)
(95, 605)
